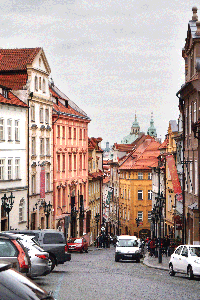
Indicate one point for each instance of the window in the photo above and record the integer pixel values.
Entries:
(75, 133)
(17, 170)
(150, 194)
(140, 175)
(80, 134)
(190, 119)
(39, 62)
(44, 86)
(149, 216)
(22, 212)
(9, 169)
(149, 176)
(58, 128)
(63, 163)
(16, 130)
(2, 169)
(36, 83)
(33, 184)
(74, 162)
(178, 250)
(195, 112)
(140, 215)
(9, 129)
(41, 115)
(33, 113)
(40, 83)
(191, 178)
(47, 182)
(93, 164)
(42, 146)
(196, 177)
(169, 202)
(70, 162)
(63, 132)
(1, 129)
(46, 115)
(5, 93)
(47, 146)
(80, 162)
(186, 120)
(185, 251)
(84, 161)
(140, 194)
(84, 134)
(33, 146)
(58, 160)
(7, 247)
(63, 198)
(70, 132)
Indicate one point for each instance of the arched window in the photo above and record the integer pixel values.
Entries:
(44, 86)
(36, 83)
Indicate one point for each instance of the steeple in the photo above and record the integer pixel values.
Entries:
(135, 130)
(152, 130)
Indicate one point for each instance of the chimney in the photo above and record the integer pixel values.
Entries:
(194, 17)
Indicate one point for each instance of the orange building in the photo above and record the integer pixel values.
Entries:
(135, 188)
(70, 164)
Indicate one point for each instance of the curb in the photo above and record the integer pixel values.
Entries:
(145, 262)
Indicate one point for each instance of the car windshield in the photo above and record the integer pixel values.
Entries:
(77, 241)
(195, 251)
(127, 243)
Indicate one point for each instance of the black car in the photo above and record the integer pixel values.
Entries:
(53, 242)
(13, 285)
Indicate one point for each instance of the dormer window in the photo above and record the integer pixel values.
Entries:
(5, 93)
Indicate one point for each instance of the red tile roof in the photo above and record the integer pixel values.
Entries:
(106, 179)
(93, 144)
(17, 59)
(12, 100)
(61, 108)
(14, 81)
(144, 157)
(96, 175)
(164, 144)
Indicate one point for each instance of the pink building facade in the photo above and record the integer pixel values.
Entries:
(70, 165)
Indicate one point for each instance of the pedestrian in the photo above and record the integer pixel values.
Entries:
(152, 247)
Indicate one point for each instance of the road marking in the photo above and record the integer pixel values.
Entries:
(56, 293)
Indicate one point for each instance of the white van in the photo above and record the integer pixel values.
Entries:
(127, 248)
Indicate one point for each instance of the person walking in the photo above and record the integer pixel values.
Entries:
(152, 247)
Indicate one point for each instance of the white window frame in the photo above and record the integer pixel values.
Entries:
(33, 184)
(41, 115)
(140, 215)
(150, 194)
(17, 168)
(44, 86)
(47, 115)
(36, 83)
(22, 210)
(33, 145)
(17, 136)
(47, 181)
(149, 176)
(2, 168)
(47, 146)
(140, 175)
(41, 146)
(10, 168)
(140, 192)
(33, 113)
(9, 129)
(2, 133)
(149, 216)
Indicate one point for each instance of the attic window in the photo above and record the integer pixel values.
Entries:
(5, 93)
(66, 103)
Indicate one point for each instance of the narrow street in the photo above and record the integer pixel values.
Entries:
(95, 275)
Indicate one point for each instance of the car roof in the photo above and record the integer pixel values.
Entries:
(8, 236)
(127, 237)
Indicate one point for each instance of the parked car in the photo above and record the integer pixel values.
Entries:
(186, 260)
(53, 242)
(77, 245)
(13, 285)
(127, 248)
(38, 257)
(12, 251)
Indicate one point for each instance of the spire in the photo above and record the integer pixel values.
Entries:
(152, 130)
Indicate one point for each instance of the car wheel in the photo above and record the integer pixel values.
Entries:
(171, 270)
(51, 263)
(86, 251)
(138, 260)
(116, 258)
(190, 273)
(81, 251)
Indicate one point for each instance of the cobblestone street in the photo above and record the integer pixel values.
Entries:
(95, 275)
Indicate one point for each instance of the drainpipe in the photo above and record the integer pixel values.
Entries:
(28, 168)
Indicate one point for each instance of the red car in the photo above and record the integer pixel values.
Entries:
(77, 245)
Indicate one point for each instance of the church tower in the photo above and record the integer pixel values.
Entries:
(135, 131)
(152, 130)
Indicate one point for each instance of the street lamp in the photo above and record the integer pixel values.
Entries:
(47, 210)
(97, 219)
(7, 203)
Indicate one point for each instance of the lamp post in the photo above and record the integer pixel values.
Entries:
(97, 219)
(47, 210)
(7, 203)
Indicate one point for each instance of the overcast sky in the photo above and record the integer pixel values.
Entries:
(111, 57)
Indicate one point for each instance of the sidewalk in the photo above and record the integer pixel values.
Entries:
(152, 262)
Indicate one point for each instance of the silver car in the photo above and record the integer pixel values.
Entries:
(39, 258)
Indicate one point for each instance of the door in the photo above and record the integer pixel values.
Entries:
(176, 258)
(184, 260)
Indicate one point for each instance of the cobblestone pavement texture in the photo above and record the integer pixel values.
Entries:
(152, 262)
(96, 275)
